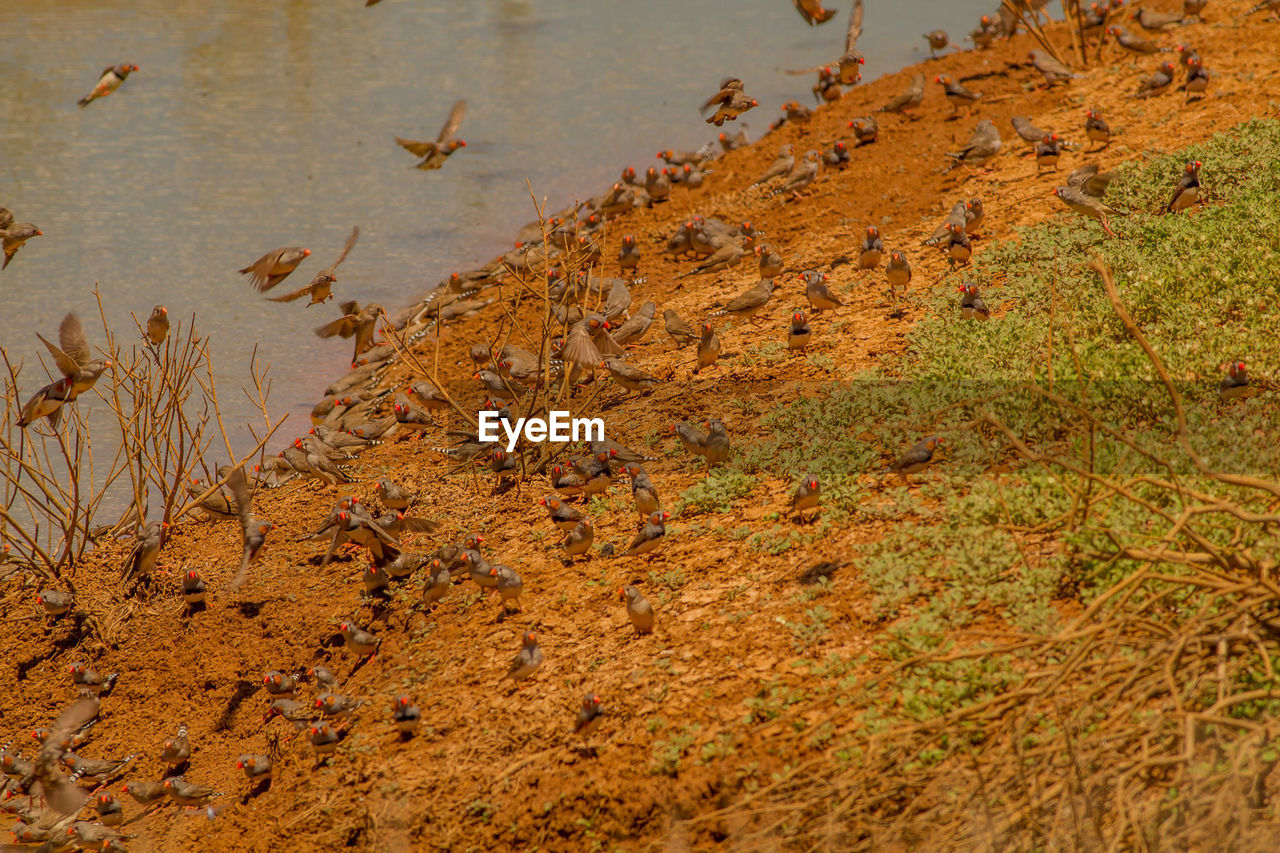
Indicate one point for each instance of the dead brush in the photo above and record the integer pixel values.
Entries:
(1149, 721)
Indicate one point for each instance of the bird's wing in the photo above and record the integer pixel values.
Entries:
(239, 487)
(454, 122)
(417, 149)
(351, 241)
(344, 326)
(66, 364)
(306, 288)
(72, 340)
(855, 26)
(6, 218)
(61, 795)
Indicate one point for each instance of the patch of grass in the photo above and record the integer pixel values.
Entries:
(717, 491)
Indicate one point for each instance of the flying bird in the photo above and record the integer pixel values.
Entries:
(320, 288)
(435, 152)
(110, 80)
(848, 63)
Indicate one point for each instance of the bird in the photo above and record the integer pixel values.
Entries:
(79, 374)
(509, 585)
(1187, 191)
(1053, 70)
(355, 322)
(336, 706)
(1096, 128)
(527, 660)
(848, 65)
(256, 768)
(733, 143)
(193, 588)
(813, 12)
(872, 250)
(1273, 6)
(708, 347)
(728, 255)
(13, 236)
(578, 540)
(320, 288)
(639, 610)
(982, 146)
(324, 739)
(254, 530)
(649, 536)
(358, 640)
(275, 266)
(959, 248)
(770, 261)
(60, 794)
(1087, 205)
(1158, 83)
(1027, 131)
(679, 331)
(898, 272)
(1236, 382)
(957, 95)
(816, 291)
(866, 130)
(629, 376)
(1156, 22)
(109, 80)
(657, 185)
(110, 811)
(799, 332)
(987, 31)
(145, 792)
(692, 438)
(938, 40)
(943, 232)
(718, 446)
(141, 560)
(1048, 152)
(435, 152)
(730, 102)
(158, 325)
(1197, 82)
(438, 583)
(908, 100)
(748, 303)
(391, 495)
(406, 715)
(804, 173)
(629, 254)
(971, 305)
(591, 713)
(55, 602)
(636, 326)
(1134, 44)
(177, 749)
(807, 494)
(917, 458)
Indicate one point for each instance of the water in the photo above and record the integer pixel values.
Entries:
(256, 124)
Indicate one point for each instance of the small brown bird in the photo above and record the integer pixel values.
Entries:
(1048, 152)
(642, 490)
(1156, 22)
(730, 102)
(254, 530)
(578, 540)
(1187, 191)
(649, 536)
(1236, 383)
(355, 322)
(805, 173)
(770, 261)
(718, 446)
(1087, 205)
(898, 272)
(639, 610)
(746, 304)
(957, 95)
(906, 102)
(982, 146)
(692, 438)
(1197, 82)
(807, 495)
(324, 739)
(435, 152)
(177, 749)
(630, 377)
(1096, 128)
(1134, 44)
(872, 250)
(733, 143)
(256, 768)
(274, 267)
(527, 661)
(850, 62)
(917, 458)
(358, 640)
(959, 248)
(679, 331)
(629, 254)
(110, 811)
(13, 236)
(708, 347)
(1158, 83)
(193, 588)
(972, 307)
(728, 255)
(799, 332)
(320, 288)
(145, 792)
(158, 325)
(110, 80)
(819, 295)
(1053, 70)
(184, 793)
(938, 40)
(142, 559)
(592, 714)
(562, 515)
(1089, 180)
(437, 584)
(406, 715)
(1027, 131)
(55, 602)
(865, 131)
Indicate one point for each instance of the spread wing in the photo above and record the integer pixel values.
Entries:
(6, 218)
(855, 27)
(289, 297)
(239, 487)
(66, 364)
(344, 326)
(455, 120)
(61, 795)
(417, 149)
(71, 338)
(351, 241)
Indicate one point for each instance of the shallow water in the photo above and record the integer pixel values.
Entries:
(258, 124)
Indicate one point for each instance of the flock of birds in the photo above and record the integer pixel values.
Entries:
(46, 791)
